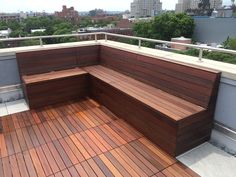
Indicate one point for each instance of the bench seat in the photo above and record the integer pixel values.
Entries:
(171, 106)
(173, 123)
(54, 87)
(30, 79)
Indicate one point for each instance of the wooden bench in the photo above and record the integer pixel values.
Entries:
(52, 76)
(172, 104)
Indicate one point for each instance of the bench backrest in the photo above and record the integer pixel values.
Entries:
(195, 85)
(37, 62)
(88, 55)
(43, 61)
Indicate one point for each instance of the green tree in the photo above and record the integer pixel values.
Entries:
(165, 27)
(230, 43)
(2, 45)
(18, 33)
(29, 42)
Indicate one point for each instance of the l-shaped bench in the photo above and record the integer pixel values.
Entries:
(170, 103)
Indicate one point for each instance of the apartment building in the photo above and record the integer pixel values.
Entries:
(68, 13)
(182, 6)
(216, 4)
(145, 8)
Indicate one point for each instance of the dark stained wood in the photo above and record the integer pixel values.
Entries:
(102, 150)
(170, 103)
(173, 123)
(43, 61)
(193, 84)
(51, 90)
(50, 76)
(88, 55)
(31, 79)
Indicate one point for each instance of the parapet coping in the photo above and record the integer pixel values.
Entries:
(228, 70)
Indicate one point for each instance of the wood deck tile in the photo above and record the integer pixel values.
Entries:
(79, 139)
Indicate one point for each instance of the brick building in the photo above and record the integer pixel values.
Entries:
(68, 14)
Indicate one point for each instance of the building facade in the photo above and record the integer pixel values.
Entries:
(68, 14)
(194, 4)
(10, 16)
(182, 6)
(216, 4)
(145, 8)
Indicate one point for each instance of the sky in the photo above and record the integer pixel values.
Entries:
(80, 5)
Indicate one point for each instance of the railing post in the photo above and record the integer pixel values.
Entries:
(139, 43)
(200, 54)
(41, 42)
(96, 38)
(106, 37)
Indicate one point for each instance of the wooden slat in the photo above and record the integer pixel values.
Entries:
(14, 166)
(52, 145)
(22, 166)
(52, 75)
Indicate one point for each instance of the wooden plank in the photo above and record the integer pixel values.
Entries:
(52, 75)
(142, 158)
(85, 145)
(105, 137)
(117, 164)
(74, 149)
(96, 141)
(9, 144)
(22, 166)
(100, 151)
(150, 158)
(1, 168)
(56, 156)
(21, 139)
(138, 162)
(124, 163)
(91, 143)
(50, 158)
(66, 173)
(27, 138)
(6, 167)
(100, 138)
(14, 166)
(131, 162)
(63, 154)
(73, 172)
(88, 169)
(36, 162)
(59, 174)
(103, 167)
(110, 165)
(33, 136)
(69, 152)
(81, 170)
(3, 146)
(80, 147)
(29, 164)
(51, 60)
(95, 168)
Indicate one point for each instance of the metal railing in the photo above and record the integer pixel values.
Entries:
(139, 39)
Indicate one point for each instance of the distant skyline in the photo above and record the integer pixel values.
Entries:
(80, 5)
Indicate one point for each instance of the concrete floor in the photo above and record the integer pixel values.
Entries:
(210, 161)
(13, 107)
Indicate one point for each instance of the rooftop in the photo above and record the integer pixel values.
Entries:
(79, 138)
(105, 108)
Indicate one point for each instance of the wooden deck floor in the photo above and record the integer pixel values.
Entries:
(79, 139)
